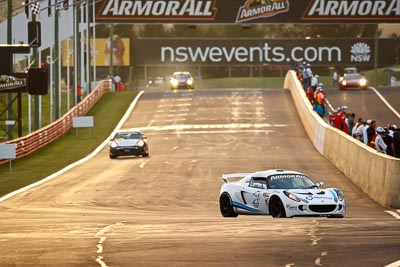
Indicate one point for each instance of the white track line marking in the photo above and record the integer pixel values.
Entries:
(394, 214)
(386, 103)
(142, 165)
(100, 234)
(394, 264)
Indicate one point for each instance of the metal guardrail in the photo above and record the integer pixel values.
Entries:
(34, 141)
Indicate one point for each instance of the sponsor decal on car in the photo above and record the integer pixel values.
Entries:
(290, 207)
(286, 176)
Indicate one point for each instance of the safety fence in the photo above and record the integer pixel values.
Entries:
(377, 174)
(34, 141)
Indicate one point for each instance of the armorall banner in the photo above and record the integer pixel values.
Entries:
(248, 11)
(322, 52)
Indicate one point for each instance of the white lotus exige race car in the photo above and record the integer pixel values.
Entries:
(280, 193)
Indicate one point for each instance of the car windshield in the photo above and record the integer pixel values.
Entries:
(290, 181)
(353, 76)
(181, 76)
(128, 135)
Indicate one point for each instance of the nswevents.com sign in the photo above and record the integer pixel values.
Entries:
(271, 52)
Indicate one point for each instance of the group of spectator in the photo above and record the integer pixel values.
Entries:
(384, 139)
(304, 74)
(313, 88)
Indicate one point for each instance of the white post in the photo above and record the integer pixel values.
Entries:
(40, 97)
(59, 62)
(87, 47)
(94, 42)
(68, 82)
(50, 62)
(29, 104)
(81, 29)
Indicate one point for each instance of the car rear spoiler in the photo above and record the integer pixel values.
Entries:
(226, 177)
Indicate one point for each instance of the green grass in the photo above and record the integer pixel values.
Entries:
(68, 149)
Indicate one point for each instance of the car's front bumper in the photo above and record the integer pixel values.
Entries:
(128, 151)
(182, 86)
(326, 210)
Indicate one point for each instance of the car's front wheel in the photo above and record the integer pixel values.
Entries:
(276, 208)
(225, 206)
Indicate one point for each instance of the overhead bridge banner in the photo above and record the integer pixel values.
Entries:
(321, 52)
(248, 11)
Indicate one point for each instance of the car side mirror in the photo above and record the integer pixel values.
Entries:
(320, 184)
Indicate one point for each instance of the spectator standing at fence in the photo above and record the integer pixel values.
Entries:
(396, 141)
(377, 139)
(354, 130)
(365, 135)
(314, 82)
(309, 74)
(320, 99)
(392, 81)
(371, 130)
(359, 135)
(335, 119)
(350, 122)
(334, 78)
(310, 95)
(389, 142)
(79, 94)
(117, 79)
(343, 115)
(305, 78)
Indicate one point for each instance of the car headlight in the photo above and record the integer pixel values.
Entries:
(343, 82)
(339, 194)
(140, 143)
(291, 196)
(189, 82)
(363, 82)
(113, 144)
(174, 82)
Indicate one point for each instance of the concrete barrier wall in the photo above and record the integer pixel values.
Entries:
(376, 174)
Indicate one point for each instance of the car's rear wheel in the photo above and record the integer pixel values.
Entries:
(276, 208)
(225, 206)
(112, 156)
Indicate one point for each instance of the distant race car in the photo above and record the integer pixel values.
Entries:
(352, 81)
(280, 193)
(182, 80)
(129, 142)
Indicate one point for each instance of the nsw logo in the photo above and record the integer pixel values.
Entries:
(360, 52)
